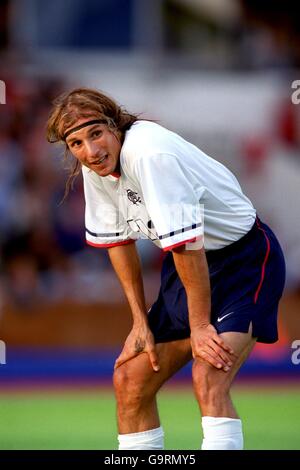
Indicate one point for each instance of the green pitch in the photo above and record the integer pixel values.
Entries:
(86, 420)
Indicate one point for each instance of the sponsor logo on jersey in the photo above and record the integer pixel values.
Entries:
(133, 196)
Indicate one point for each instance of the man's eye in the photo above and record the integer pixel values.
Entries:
(76, 143)
(96, 133)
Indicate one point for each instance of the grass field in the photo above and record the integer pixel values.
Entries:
(86, 420)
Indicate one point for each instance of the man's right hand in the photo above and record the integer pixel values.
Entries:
(140, 340)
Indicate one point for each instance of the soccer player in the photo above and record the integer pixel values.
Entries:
(222, 276)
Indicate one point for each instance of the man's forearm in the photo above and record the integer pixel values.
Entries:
(191, 266)
(126, 263)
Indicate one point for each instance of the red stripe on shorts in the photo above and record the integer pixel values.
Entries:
(263, 268)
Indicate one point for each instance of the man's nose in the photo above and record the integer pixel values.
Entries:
(91, 151)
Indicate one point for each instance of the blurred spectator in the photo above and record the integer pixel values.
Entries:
(278, 22)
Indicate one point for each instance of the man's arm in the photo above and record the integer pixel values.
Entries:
(126, 263)
(191, 266)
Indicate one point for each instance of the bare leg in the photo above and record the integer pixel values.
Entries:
(222, 428)
(136, 385)
(212, 386)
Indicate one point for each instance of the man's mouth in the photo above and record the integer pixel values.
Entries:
(101, 160)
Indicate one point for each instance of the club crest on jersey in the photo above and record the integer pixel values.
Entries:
(133, 196)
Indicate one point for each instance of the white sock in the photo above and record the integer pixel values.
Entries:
(146, 440)
(222, 434)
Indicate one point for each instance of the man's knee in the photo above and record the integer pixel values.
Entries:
(210, 384)
(131, 385)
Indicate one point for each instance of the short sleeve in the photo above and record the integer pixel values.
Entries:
(171, 200)
(104, 225)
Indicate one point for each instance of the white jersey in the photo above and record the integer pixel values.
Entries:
(168, 191)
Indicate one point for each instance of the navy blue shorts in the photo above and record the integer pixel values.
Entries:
(247, 280)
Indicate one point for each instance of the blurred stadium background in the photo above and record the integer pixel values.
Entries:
(219, 72)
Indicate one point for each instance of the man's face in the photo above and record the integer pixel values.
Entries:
(96, 146)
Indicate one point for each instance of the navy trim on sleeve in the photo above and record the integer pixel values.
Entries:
(99, 235)
(181, 230)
